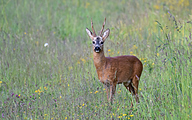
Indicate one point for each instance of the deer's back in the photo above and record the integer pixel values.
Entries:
(120, 69)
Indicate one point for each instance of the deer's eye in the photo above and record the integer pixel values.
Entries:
(93, 42)
(102, 42)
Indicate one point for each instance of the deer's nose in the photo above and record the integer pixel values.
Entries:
(97, 49)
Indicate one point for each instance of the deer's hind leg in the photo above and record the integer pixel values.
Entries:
(132, 87)
(129, 87)
(135, 84)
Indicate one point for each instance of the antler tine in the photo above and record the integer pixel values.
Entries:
(102, 27)
(94, 34)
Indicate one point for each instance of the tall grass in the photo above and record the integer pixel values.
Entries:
(59, 81)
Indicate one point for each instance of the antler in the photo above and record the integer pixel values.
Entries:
(102, 27)
(94, 34)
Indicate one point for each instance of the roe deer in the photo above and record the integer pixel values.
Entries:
(111, 71)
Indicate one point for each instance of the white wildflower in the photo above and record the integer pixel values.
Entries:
(46, 44)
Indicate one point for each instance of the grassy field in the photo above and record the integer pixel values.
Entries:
(59, 81)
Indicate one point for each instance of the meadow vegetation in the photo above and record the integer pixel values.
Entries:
(58, 80)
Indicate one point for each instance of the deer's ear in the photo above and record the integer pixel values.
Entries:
(89, 33)
(105, 34)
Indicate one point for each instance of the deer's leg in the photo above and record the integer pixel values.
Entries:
(112, 92)
(107, 91)
(135, 83)
(129, 87)
(107, 88)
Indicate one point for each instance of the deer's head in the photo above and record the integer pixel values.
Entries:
(99, 40)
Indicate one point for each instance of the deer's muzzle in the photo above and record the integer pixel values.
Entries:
(97, 49)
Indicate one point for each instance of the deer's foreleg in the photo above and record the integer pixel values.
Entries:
(107, 91)
(112, 92)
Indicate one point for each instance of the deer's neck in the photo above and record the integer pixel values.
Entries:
(99, 59)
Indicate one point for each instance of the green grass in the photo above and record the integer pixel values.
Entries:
(60, 81)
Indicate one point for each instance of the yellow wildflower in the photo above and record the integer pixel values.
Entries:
(78, 62)
(45, 88)
(186, 3)
(87, 4)
(134, 46)
(131, 115)
(70, 68)
(37, 43)
(83, 60)
(109, 50)
(156, 7)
